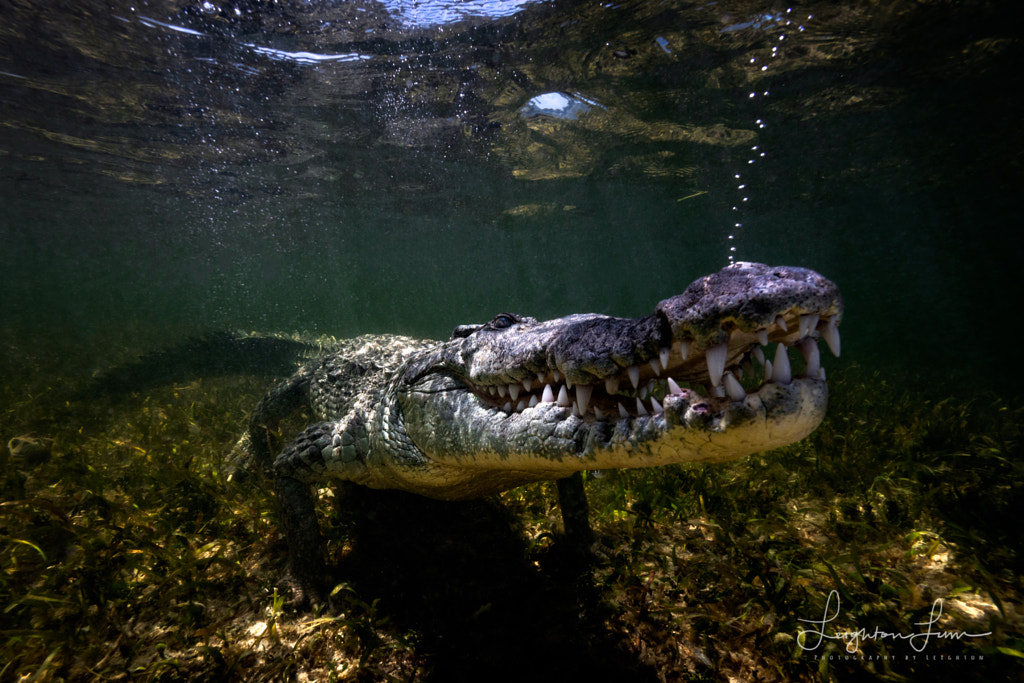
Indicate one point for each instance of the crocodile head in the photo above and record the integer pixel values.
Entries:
(517, 400)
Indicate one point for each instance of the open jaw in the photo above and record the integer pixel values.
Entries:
(698, 380)
(709, 378)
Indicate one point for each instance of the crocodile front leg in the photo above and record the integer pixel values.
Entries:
(303, 462)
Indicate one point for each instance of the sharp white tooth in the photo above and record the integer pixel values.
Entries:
(809, 348)
(781, 371)
(767, 371)
(575, 409)
(673, 388)
(821, 374)
(733, 388)
(830, 333)
(501, 390)
(527, 384)
(634, 375)
(507, 407)
(521, 406)
(807, 324)
(557, 375)
(663, 355)
(548, 396)
(655, 406)
(563, 397)
(533, 401)
(758, 353)
(781, 322)
(684, 349)
(611, 385)
(640, 410)
(655, 364)
(492, 390)
(622, 411)
(540, 377)
(513, 391)
(762, 337)
(583, 396)
(598, 413)
(568, 382)
(715, 357)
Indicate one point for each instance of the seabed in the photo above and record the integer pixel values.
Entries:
(127, 555)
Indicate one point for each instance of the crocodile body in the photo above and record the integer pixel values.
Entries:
(516, 400)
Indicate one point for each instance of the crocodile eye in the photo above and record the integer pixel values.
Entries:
(503, 321)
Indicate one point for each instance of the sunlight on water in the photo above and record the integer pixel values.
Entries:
(416, 14)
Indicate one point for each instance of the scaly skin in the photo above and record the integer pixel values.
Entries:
(516, 400)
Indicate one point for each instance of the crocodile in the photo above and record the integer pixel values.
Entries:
(516, 400)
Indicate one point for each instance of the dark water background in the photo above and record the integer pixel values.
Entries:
(170, 168)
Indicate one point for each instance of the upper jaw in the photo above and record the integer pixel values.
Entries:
(707, 342)
(715, 375)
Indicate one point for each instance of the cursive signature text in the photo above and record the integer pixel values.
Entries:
(811, 639)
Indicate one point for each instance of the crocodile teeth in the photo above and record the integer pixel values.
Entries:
(649, 388)
(807, 324)
(501, 390)
(507, 407)
(781, 322)
(622, 411)
(758, 354)
(673, 388)
(521, 406)
(655, 406)
(715, 357)
(611, 385)
(762, 337)
(655, 364)
(781, 371)
(830, 333)
(634, 375)
(548, 396)
(809, 348)
(533, 401)
(583, 396)
(563, 398)
(663, 355)
(513, 391)
(733, 387)
(556, 374)
(640, 410)
(684, 349)
(767, 371)
(598, 413)
(527, 384)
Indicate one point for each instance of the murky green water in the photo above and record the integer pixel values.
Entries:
(174, 167)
